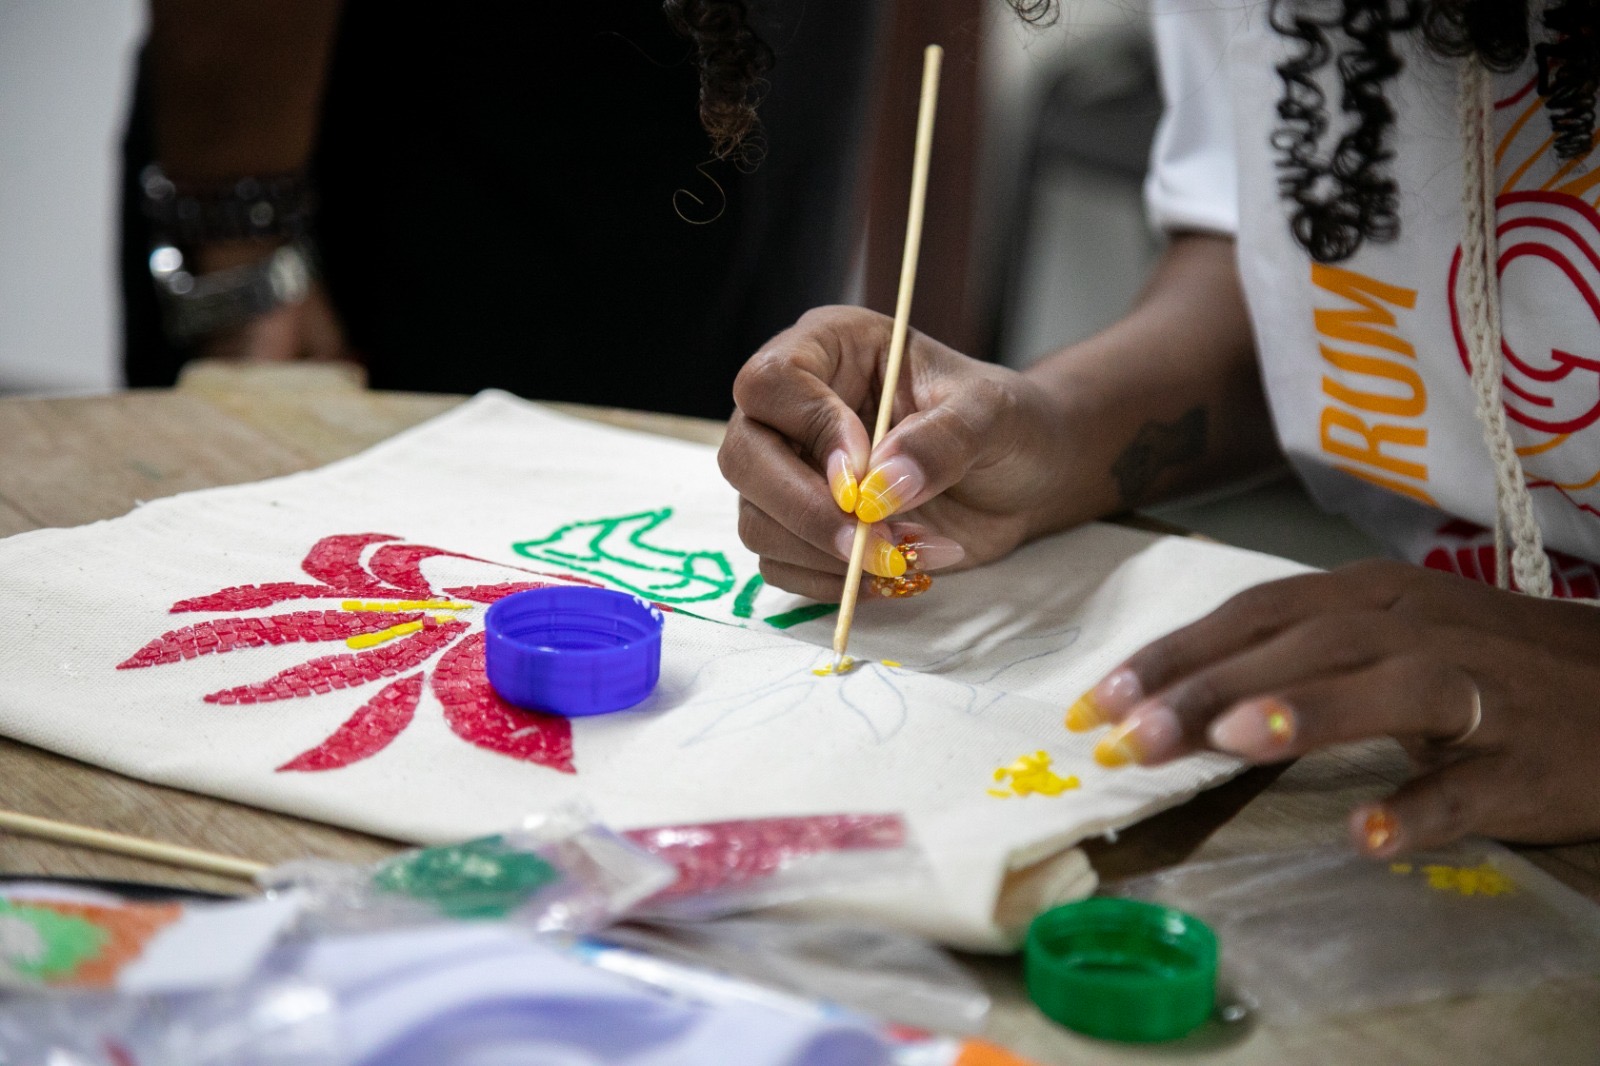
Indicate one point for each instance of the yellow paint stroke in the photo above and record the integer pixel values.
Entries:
(844, 668)
(1030, 775)
(1481, 880)
(889, 662)
(1516, 128)
(1540, 449)
(372, 640)
(404, 605)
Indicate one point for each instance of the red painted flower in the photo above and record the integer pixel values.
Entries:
(395, 623)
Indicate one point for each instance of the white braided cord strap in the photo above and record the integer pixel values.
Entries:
(1480, 304)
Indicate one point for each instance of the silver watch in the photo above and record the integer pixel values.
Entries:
(194, 306)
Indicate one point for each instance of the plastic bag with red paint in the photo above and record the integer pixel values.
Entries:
(728, 867)
(560, 872)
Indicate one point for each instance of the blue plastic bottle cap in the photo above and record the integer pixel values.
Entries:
(573, 651)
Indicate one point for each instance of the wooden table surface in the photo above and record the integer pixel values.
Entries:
(65, 462)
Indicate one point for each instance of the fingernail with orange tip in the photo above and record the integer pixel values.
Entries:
(1150, 733)
(1379, 831)
(842, 482)
(1256, 728)
(887, 488)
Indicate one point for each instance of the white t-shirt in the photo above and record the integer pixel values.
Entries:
(1362, 361)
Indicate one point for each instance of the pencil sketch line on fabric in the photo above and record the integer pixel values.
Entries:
(882, 713)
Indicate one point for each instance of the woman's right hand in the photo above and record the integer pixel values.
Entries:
(973, 466)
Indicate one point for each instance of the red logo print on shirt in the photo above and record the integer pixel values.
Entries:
(395, 623)
(1551, 337)
(1467, 550)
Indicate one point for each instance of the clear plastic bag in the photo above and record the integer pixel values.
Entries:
(729, 867)
(879, 972)
(1326, 931)
(560, 872)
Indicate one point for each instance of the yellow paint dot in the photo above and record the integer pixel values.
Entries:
(371, 640)
(844, 668)
(889, 662)
(1031, 775)
(1399, 867)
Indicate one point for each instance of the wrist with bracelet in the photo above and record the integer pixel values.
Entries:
(274, 212)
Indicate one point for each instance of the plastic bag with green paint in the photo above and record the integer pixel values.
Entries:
(560, 872)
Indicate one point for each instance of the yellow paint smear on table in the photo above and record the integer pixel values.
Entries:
(1031, 775)
(1481, 880)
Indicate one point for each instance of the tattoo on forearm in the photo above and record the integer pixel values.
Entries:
(1157, 446)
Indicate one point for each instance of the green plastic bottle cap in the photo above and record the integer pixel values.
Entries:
(1122, 969)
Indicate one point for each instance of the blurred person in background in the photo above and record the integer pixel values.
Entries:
(569, 201)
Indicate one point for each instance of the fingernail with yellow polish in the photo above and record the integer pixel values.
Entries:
(842, 482)
(1084, 714)
(888, 487)
(1150, 734)
(1118, 747)
(1112, 697)
(884, 559)
(1256, 728)
(1117, 694)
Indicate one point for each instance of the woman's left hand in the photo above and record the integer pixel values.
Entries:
(1495, 695)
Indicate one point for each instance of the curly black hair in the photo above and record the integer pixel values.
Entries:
(1340, 200)
(1569, 73)
(733, 62)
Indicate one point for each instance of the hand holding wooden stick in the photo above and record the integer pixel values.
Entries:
(897, 340)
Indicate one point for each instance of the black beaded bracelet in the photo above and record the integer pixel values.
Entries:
(268, 207)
